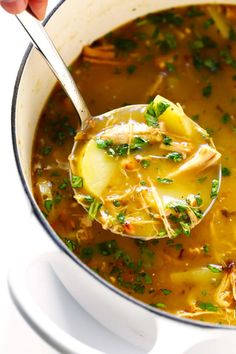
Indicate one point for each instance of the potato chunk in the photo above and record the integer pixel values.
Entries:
(97, 168)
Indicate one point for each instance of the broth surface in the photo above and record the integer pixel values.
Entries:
(188, 57)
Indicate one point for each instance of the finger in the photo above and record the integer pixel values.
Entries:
(38, 7)
(14, 6)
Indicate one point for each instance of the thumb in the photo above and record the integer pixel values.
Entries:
(14, 6)
(38, 8)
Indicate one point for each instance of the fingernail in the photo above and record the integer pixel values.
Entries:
(15, 6)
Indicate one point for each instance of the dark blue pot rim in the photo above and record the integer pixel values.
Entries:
(52, 233)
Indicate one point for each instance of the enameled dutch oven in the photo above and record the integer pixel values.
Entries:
(73, 24)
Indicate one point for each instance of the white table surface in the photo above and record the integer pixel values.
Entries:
(15, 335)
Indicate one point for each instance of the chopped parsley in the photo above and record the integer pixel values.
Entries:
(225, 118)
(125, 44)
(131, 69)
(116, 203)
(185, 228)
(48, 204)
(145, 163)
(169, 42)
(46, 150)
(103, 144)
(166, 291)
(87, 252)
(206, 248)
(207, 90)
(107, 248)
(225, 171)
(170, 67)
(195, 117)
(214, 188)
(159, 305)
(207, 306)
(215, 268)
(194, 12)
(175, 156)
(208, 23)
(167, 140)
(88, 198)
(164, 180)
(121, 218)
(76, 181)
(138, 143)
(154, 111)
(71, 244)
(93, 209)
(198, 199)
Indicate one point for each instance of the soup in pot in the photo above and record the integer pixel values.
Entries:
(187, 55)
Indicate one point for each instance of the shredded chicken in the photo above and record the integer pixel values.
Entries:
(124, 133)
(170, 232)
(182, 147)
(204, 157)
(104, 54)
(153, 90)
(225, 295)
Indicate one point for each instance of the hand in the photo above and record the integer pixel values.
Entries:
(37, 7)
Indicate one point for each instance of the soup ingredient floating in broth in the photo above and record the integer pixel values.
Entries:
(137, 171)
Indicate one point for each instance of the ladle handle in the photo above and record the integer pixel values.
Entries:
(44, 45)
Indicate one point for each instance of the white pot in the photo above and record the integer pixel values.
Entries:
(73, 24)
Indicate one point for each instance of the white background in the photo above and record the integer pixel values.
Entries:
(15, 334)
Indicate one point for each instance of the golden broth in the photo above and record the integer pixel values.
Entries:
(182, 55)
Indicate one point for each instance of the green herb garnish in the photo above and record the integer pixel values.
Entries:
(185, 227)
(214, 188)
(107, 248)
(145, 163)
(76, 181)
(103, 144)
(207, 306)
(88, 198)
(138, 143)
(87, 252)
(214, 268)
(208, 23)
(46, 150)
(121, 218)
(153, 112)
(194, 12)
(71, 244)
(93, 209)
(164, 180)
(131, 69)
(48, 204)
(167, 140)
(198, 199)
(207, 90)
(175, 156)
(117, 203)
(169, 42)
(225, 171)
(166, 291)
(225, 118)
(125, 44)
(159, 305)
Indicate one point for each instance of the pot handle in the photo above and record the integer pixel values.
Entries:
(35, 316)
